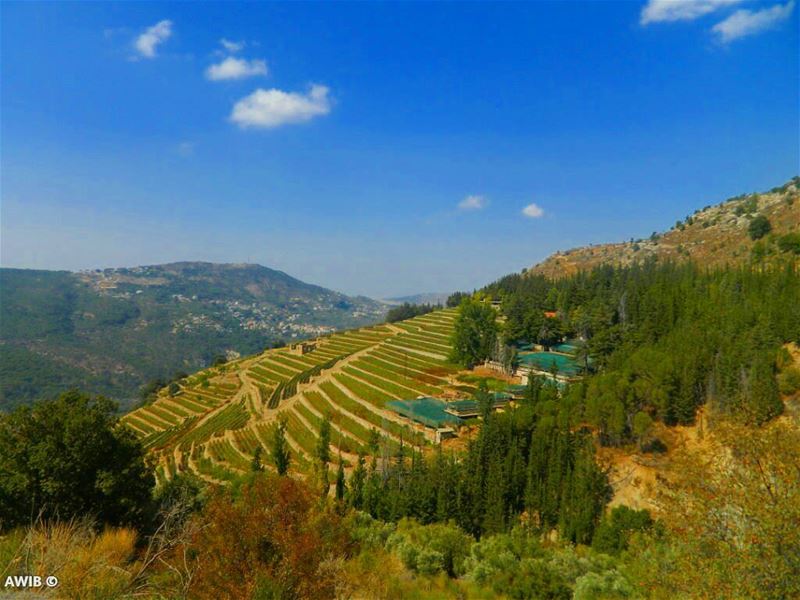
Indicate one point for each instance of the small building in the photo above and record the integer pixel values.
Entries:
(465, 409)
(428, 412)
(302, 348)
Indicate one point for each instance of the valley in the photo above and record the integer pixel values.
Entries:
(114, 331)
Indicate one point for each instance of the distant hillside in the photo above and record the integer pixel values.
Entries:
(427, 298)
(712, 236)
(111, 331)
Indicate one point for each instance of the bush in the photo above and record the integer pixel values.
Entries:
(789, 243)
(430, 549)
(614, 532)
(789, 381)
(270, 539)
(759, 227)
(91, 565)
(606, 585)
(68, 458)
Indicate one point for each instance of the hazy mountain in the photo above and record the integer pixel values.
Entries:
(424, 298)
(111, 331)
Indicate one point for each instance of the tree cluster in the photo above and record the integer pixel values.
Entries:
(526, 463)
(663, 339)
(408, 311)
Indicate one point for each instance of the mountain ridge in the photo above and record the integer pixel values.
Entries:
(713, 236)
(112, 330)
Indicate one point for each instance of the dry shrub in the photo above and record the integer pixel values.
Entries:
(88, 564)
(732, 515)
(275, 540)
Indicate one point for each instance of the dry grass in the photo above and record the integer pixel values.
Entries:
(716, 237)
(90, 565)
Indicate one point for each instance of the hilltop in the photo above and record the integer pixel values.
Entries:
(111, 331)
(713, 236)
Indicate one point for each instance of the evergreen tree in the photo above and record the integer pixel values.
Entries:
(255, 465)
(762, 390)
(340, 482)
(355, 491)
(280, 449)
(324, 442)
(474, 333)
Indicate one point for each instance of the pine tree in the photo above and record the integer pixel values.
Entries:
(474, 333)
(340, 483)
(255, 464)
(324, 442)
(280, 449)
(355, 491)
(764, 398)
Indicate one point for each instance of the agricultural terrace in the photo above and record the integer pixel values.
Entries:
(219, 418)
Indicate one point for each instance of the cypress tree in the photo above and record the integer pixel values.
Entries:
(340, 482)
(280, 449)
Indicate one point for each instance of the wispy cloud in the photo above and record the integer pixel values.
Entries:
(744, 22)
(533, 211)
(230, 46)
(656, 11)
(473, 202)
(267, 109)
(236, 68)
(149, 40)
(185, 149)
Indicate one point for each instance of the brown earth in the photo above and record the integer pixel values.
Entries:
(712, 236)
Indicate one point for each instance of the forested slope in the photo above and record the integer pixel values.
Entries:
(115, 330)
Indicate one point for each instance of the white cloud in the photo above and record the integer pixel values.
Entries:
(273, 108)
(472, 202)
(746, 22)
(656, 11)
(150, 39)
(236, 68)
(533, 211)
(231, 46)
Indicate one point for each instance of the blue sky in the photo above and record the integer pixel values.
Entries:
(382, 148)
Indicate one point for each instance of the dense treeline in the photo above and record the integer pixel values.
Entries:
(525, 474)
(523, 461)
(407, 311)
(663, 338)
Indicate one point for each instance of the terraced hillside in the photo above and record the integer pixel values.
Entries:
(219, 417)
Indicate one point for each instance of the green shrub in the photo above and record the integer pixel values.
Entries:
(614, 532)
(789, 381)
(606, 585)
(430, 549)
(789, 243)
(759, 227)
